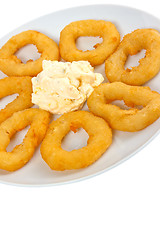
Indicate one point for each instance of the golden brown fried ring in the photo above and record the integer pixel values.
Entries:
(149, 66)
(130, 120)
(12, 85)
(21, 154)
(74, 30)
(12, 66)
(100, 138)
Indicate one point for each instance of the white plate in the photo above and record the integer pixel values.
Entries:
(37, 172)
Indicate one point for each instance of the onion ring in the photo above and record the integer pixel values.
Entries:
(71, 32)
(21, 154)
(12, 66)
(100, 138)
(12, 85)
(130, 120)
(149, 66)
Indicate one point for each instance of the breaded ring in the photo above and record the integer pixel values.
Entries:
(74, 30)
(100, 138)
(12, 66)
(12, 85)
(131, 120)
(149, 66)
(21, 154)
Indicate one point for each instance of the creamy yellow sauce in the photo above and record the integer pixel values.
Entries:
(63, 86)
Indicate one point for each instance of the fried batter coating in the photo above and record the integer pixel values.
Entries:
(21, 154)
(12, 66)
(100, 138)
(131, 120)
(12, 85)
(132, 43)
(74, 30)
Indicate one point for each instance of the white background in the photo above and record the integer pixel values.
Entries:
(123, 203)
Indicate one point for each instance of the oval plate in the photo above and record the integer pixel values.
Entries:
(37, 172)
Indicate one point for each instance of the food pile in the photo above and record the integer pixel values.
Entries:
(63, 87)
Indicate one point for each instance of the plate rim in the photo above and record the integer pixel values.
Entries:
(81, 6)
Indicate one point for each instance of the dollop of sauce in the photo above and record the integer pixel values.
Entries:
(63, 86)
